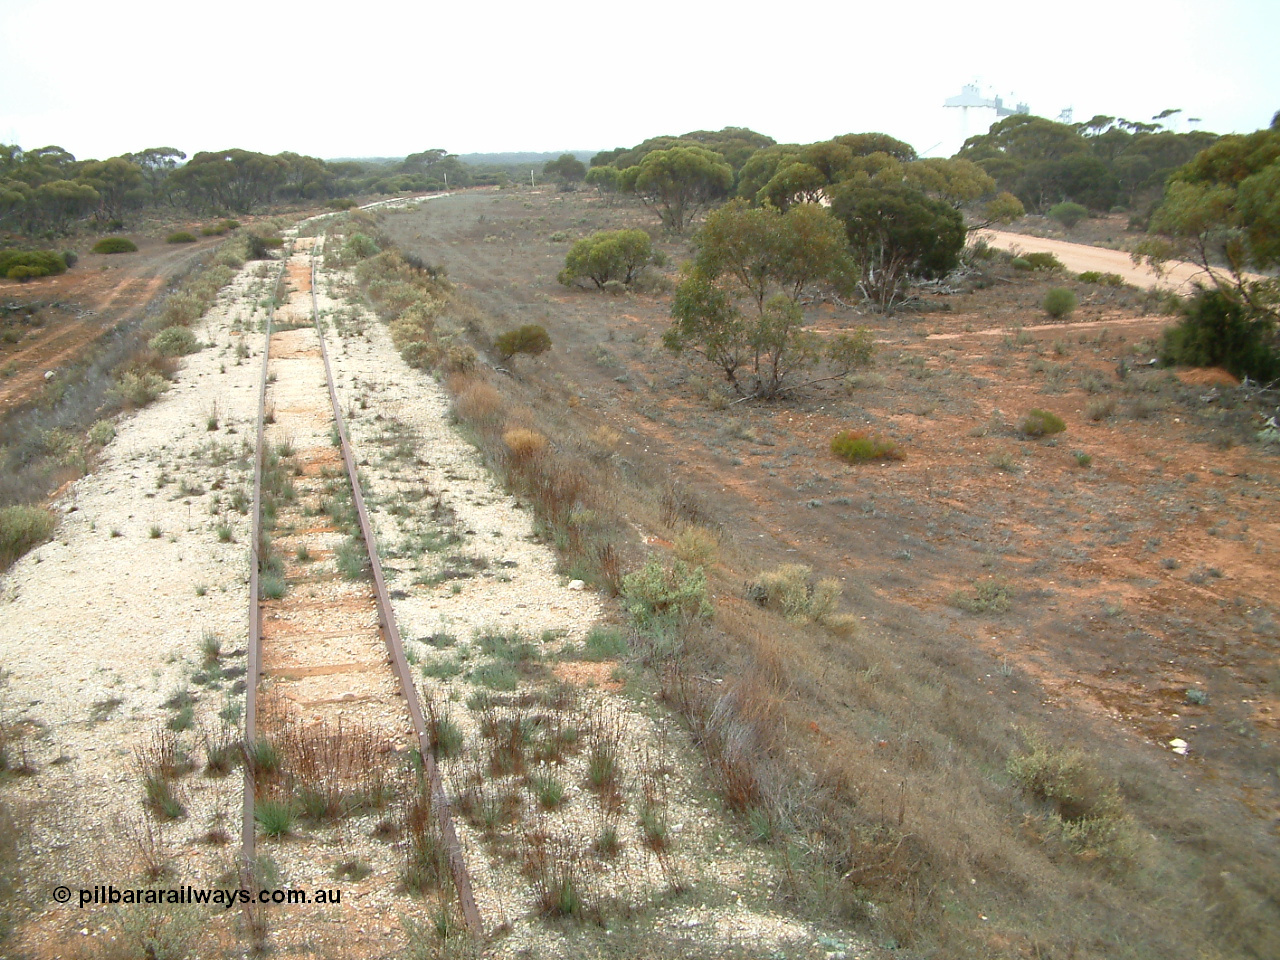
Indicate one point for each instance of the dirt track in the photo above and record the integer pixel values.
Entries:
(95, 295)
(1078, 257)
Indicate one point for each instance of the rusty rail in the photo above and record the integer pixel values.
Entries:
(253, 669)
(395, 648)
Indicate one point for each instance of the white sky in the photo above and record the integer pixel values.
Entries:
(390, 77)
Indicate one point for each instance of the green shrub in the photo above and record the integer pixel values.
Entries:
(988, 596)
(607, 255)
(181, 236)
(1042, 423)
(260, 247)
(790, 590)
(656, 595)
(218, 229)
(1059, 302)
(1218, 331)
(1068, 214)
(1045, 262)
(1020, 263)
(359, 247)
(138, 388)
(174, 341)
(530, 338)
(1086, 813)
(25, 264)
(859, 446)
(1102, 279)
(115, 245)
(102, 433)
(21, 529)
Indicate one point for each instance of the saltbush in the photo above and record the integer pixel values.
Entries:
(175, 341)
(115, 245)
(180, 236)
(530, 338)
(1042, 423)
(25, 264)
(1059, 302)
(859, 446)
(658, 595)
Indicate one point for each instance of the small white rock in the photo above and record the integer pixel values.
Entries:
(577, 585)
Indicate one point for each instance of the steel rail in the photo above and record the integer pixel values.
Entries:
(395, 648)
(253, 669)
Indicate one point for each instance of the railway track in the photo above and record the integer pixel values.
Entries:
(323, 644)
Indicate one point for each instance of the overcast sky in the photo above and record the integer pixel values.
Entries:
(387, 78)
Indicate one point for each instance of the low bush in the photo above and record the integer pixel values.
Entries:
(175, 341)
(531, 339)
(21, 529)
(1219, 331)
(1059, 302)
(180, 236)
(115, 245)
(1068, 214)
(218, 229)
(791, 591)
(859, 446)
(260, 247)
(1085, 812)
(524, 445)
(26, 264)
(1045, 262)
(359, 247)
(1020, 263)
(1042, 423)
(988, 596)
(656, 594)
(1101, 279)
(139, 387)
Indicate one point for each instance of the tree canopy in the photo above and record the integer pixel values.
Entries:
(896, 232)
(1222, 211)
(679, 182)
(761, 259)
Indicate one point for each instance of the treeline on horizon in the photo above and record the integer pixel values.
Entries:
(1103, 164)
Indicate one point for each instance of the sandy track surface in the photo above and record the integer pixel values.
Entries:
(1179, 275)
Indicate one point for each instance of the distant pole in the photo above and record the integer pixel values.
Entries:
(446, 183)
(532, 185)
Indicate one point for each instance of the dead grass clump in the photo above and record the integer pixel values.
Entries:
(524, 445)
(697, 545)
(477, 401)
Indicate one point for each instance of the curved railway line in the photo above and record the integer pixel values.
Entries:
(321, 643)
